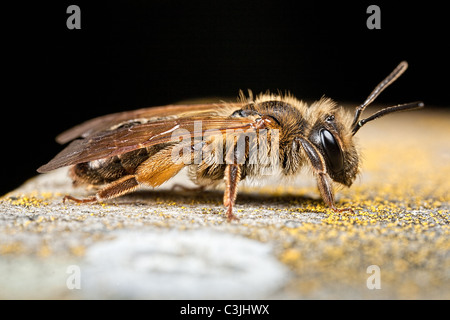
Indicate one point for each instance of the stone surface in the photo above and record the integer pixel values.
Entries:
(164, 244)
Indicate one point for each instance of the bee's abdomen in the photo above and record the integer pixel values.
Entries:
(107, 170)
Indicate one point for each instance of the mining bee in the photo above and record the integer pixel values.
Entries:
(225, 142)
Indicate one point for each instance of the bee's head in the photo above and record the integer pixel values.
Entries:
(331, 135)
(332, 132)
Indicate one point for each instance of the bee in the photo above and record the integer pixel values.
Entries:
(225, 142)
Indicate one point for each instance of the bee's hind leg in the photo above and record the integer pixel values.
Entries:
(85, 200)
(115, 189)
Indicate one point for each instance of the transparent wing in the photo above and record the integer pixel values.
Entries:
(106, 122)
(108, 143)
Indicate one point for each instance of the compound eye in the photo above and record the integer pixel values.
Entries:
(333, 151)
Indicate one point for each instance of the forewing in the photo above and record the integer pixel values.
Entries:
(152, 114)
(108, 143)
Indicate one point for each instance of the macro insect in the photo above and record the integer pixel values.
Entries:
(226, 142)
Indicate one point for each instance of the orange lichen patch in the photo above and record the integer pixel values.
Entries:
(11, 248)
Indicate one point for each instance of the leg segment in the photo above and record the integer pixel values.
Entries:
(153, 172)
(85, 200)
(115, 189)
(187, 189)
(232, 178)
(323, 179)
(326, 191)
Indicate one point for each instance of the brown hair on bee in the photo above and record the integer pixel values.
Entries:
(228, 142)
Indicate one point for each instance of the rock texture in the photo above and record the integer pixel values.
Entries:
(164, 244)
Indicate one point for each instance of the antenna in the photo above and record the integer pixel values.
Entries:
(398, 71)
(385, 111)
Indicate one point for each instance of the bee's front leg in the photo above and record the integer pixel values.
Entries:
(326, 191)
(323, 179)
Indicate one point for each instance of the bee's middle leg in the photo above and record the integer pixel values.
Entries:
(232, 178)
(188, 189)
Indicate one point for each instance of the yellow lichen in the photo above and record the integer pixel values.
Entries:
(28, 201)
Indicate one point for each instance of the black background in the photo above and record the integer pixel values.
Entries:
(135, 54)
